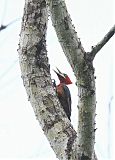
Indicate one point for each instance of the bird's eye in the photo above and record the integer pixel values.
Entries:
(65, 75)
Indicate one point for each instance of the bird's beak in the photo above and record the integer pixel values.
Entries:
(58, 70)
(59, 73)
(55, 71)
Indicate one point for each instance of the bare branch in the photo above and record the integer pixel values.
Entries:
(2, 27)
(66, 33)
(98, 47)
(84, 73)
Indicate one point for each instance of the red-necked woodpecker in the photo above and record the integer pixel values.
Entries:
(63, 92)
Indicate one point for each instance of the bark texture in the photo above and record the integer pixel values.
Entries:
(66, 33)
(81, 63)
(37, 81)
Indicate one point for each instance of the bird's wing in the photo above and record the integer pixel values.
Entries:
(68, 98)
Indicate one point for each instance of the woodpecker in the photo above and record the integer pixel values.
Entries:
(63, 92)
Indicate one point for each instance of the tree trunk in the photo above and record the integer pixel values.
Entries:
(37, 80)
(81, 63)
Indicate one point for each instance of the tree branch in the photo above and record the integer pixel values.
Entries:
(84, 73)
(66, 33)
(98, 47)
(2, 27)
(37, 81)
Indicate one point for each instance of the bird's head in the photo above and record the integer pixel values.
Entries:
(63, 77)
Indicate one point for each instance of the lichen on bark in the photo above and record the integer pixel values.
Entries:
(82, 65)
(36, 77)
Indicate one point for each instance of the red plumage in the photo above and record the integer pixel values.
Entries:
(63, 92)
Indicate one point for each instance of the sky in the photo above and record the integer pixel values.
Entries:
(20, 133)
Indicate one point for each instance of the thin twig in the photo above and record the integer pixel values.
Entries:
(2, 27)
(98, 47)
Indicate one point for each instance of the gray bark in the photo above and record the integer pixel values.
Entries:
(84, 72)
(37, 80)
(82, 64)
